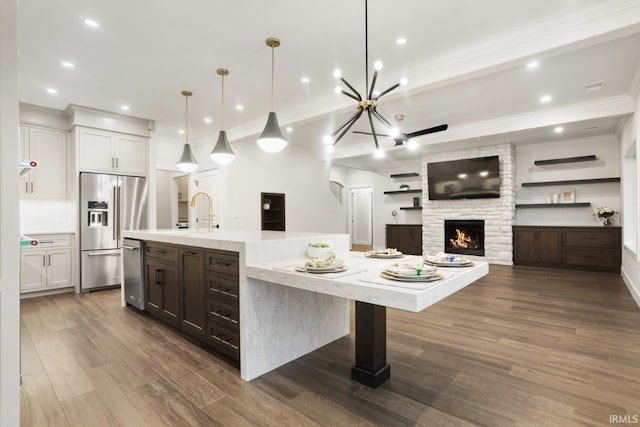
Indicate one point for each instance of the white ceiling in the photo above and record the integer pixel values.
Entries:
(465, 61)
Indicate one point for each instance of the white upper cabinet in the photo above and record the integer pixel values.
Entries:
(48, 147)
(110, 152)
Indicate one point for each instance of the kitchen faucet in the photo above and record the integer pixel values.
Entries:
(208, 196)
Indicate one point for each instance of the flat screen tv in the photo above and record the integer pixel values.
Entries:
(476, 178)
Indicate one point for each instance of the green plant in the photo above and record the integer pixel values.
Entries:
(266, 201)
(404, 187)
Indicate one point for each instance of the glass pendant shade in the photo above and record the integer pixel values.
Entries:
(186, 162)
(271, 140)
(222, 152)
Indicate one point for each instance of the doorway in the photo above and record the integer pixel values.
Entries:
(211, 182)
(361, 229)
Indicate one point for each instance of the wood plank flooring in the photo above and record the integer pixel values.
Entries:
(523, 346)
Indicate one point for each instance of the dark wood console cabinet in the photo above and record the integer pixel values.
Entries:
(577, 248)
(195, 290)
(407, 238)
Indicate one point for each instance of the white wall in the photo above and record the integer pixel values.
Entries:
(607, 165)
(630, 264)
(9, 220)
(301, 175)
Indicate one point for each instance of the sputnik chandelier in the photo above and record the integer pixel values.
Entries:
(370, 104)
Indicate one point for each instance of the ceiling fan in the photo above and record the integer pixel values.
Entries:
(401, 137)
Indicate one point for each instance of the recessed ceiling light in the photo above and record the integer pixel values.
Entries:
(401, 40)
(124, 107)
(289, 129)
(305, 80)
(558, 129)
(67, 64)
(239, 107)
(208, 119)
(545, 98)
(52, 90)
(533, 64)
(91, 23)
(180, 130)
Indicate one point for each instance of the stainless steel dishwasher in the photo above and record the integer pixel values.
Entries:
(133, 272)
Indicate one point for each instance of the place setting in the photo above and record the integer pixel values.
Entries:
(448, 260)
(407, 275)
(328, 266)
(387, 253)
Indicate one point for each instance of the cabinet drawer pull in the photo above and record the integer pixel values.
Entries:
(224, 292)
(224, 316)
(191, 253)
(46, 241)
(588, 238)
(162, 252)
(224, 340)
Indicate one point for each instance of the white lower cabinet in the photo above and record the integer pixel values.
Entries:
(47, 265)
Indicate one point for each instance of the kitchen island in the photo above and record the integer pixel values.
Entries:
(284, 314)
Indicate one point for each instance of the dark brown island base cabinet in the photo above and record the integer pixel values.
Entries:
(577, 248)
(407, 238)
(195, 290)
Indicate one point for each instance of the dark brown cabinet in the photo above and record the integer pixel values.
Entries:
(537, 245)
(161, 280)
(192, 291)
(197, 291)
(223, 309)
(583, 248)
(272, 211)
(407, 238)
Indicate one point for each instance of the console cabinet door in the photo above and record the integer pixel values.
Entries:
(524, 248)
(161, 285)
(192, 292)
(549, 244)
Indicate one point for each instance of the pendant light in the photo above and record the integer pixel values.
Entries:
(271, 140)
(222, 152)
(186, 162)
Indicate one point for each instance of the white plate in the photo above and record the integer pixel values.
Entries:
(431, 278)
(321, 270)
(384, 255)
(468, 263)
(400, 273)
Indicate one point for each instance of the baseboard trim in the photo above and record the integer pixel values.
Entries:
(635, 293)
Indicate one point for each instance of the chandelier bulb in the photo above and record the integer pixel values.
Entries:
(330, 148)
(337, 73)
(338, 89)
(404, 81)
(394, 132)
(377, 65)
(379, 153)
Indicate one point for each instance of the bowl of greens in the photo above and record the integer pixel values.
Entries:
(319, 250)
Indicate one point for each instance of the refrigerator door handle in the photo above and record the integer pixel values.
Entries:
(114, 226)
(132, 248)
(119, 209)
(103, 254)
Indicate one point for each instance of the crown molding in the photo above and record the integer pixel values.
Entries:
(100, 119)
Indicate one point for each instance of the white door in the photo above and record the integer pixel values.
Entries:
(211, 182)
(362, 216)
(33, 270)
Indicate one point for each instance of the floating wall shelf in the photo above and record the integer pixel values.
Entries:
(571, 182)
(590, 158)
(411, 208)
(402, 191)
(405, 175)
(553, 205)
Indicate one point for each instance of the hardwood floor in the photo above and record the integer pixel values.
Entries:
(523, 346)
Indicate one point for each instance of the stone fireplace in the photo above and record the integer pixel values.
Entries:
(498, 214)
(464, 237)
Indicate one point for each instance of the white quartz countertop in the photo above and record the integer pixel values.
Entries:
(366, 285)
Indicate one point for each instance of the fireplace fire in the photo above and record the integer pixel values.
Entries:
(464, 237)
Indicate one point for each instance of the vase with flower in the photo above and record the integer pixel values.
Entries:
(604, 214)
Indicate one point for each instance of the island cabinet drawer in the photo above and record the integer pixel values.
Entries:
(224, 340)
(226, 315)
(609, 258)
(223, 262)
(592, 238)
(159, 251)
(223, 288)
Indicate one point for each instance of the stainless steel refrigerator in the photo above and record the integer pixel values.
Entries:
(108, 205)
